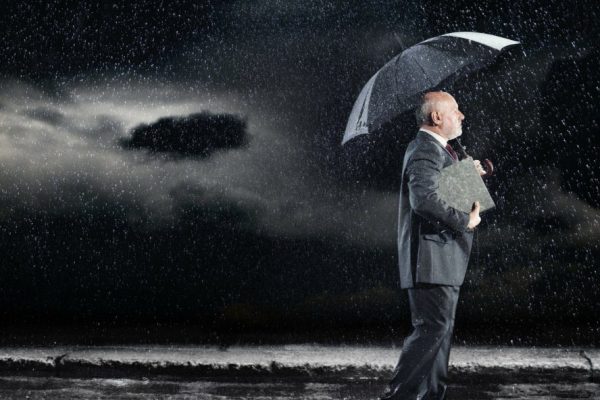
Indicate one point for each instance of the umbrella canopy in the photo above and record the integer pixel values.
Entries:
(438, 61)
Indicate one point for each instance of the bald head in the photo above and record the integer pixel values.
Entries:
(430, 102)
(438, 112)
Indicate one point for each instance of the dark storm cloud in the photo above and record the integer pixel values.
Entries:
(78, 167)
(194, 135)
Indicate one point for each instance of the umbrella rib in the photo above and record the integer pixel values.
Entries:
(423, 69)
(424, 74)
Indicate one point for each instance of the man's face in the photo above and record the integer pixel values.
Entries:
(452, 118)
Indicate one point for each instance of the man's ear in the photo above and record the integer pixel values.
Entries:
(435, 117)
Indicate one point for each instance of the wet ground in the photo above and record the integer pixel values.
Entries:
(57, 388)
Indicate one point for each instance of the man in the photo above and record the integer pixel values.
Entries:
(434, 243)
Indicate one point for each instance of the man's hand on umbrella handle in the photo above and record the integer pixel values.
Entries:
(474, 218)
(479, 168)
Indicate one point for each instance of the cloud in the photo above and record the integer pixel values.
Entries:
(74, 164)
(198, 134)
(45, 114)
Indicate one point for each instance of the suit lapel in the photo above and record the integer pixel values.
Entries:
(426, 136)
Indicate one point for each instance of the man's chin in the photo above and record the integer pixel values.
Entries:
(457, 133)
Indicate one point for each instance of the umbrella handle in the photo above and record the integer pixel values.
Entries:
(489, 168)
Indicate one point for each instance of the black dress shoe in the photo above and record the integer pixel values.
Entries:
(390, 394)
(393, 394)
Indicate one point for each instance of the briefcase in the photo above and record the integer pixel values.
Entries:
(460, 186)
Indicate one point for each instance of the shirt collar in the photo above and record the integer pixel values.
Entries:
(437, 137)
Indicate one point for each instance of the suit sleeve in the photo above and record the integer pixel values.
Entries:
(423, 172)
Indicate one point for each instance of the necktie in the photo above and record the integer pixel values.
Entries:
(451, 151)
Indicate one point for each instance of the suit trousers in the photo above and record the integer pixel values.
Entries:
(422, 370)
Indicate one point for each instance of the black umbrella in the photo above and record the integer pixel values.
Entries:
(431, 64)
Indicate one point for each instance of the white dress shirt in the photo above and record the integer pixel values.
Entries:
(437, 137)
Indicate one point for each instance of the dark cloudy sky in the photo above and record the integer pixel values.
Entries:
(82, 76)
(78, 77)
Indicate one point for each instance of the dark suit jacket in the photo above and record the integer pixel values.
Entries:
(433, 241)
